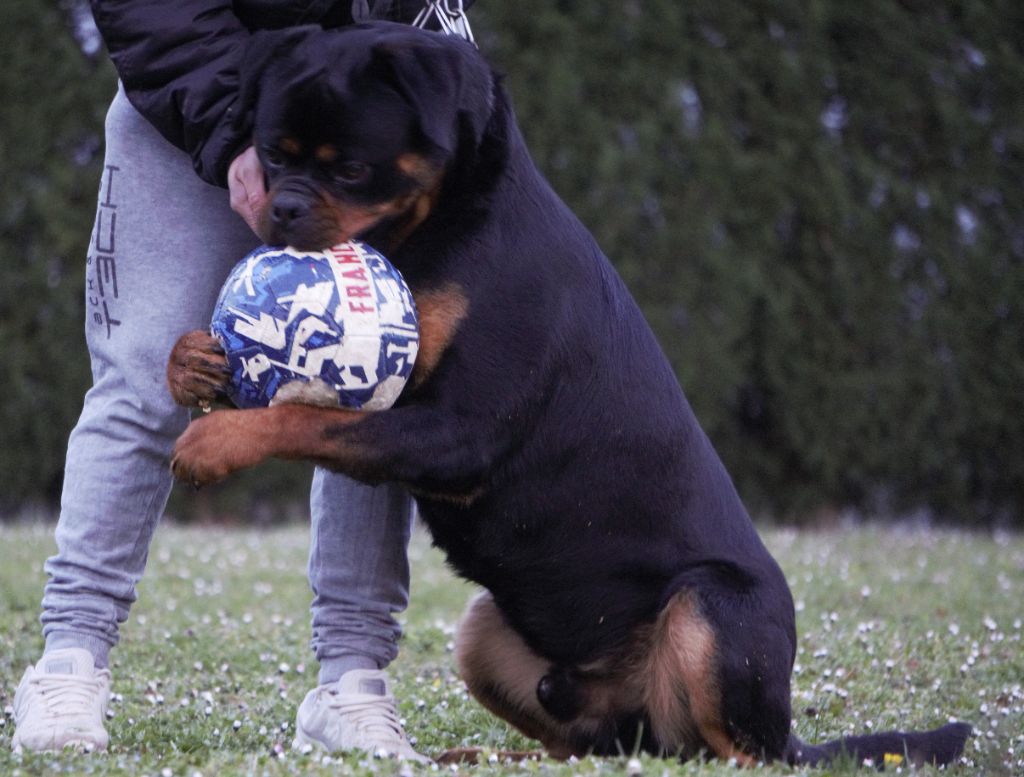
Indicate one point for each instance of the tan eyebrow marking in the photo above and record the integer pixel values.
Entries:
(326, 153)
(289, 145)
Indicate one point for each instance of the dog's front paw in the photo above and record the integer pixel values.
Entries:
(214, 446)
(197, 371)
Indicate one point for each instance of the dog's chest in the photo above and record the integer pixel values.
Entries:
(440, 311)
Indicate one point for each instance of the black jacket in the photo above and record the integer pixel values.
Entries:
(179, 61)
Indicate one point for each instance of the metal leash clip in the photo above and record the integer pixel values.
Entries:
(451, 18)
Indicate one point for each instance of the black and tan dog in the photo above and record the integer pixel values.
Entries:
(629, 600)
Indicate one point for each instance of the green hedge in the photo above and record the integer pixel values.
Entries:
(52, 102)
(818, 205)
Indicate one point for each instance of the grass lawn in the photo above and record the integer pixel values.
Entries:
(898, 628)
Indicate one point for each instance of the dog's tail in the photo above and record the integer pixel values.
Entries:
(940, 746)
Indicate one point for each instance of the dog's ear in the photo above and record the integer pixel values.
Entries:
(264, 47)
(446, 81)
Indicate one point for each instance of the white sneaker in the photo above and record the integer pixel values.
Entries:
(61, 702)
(357, 712)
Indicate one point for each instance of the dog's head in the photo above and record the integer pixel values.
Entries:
(356, 127)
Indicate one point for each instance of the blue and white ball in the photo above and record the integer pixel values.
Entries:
(335, 327)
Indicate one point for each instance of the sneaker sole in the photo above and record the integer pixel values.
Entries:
(303, 740)
(80, 745)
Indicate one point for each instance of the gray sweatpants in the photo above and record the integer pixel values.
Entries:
(163, 243)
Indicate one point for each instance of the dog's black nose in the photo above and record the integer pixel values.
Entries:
(288, 207)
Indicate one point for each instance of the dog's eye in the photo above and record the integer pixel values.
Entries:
(272, 157)
(353, 172)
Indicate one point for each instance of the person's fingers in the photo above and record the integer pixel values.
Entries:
(247, 195)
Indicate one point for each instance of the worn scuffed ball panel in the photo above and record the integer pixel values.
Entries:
(335, 327)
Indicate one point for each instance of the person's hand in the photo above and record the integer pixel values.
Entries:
(248, 196)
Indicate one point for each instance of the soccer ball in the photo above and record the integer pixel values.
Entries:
(335, 328)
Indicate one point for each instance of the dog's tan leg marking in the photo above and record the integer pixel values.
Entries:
(502, 673)
(214, 446)
(498, 667)
(682, 695)
(196, 369)
(441, 311)
(670, 672)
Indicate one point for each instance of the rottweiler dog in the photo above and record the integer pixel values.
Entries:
(629, 602)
